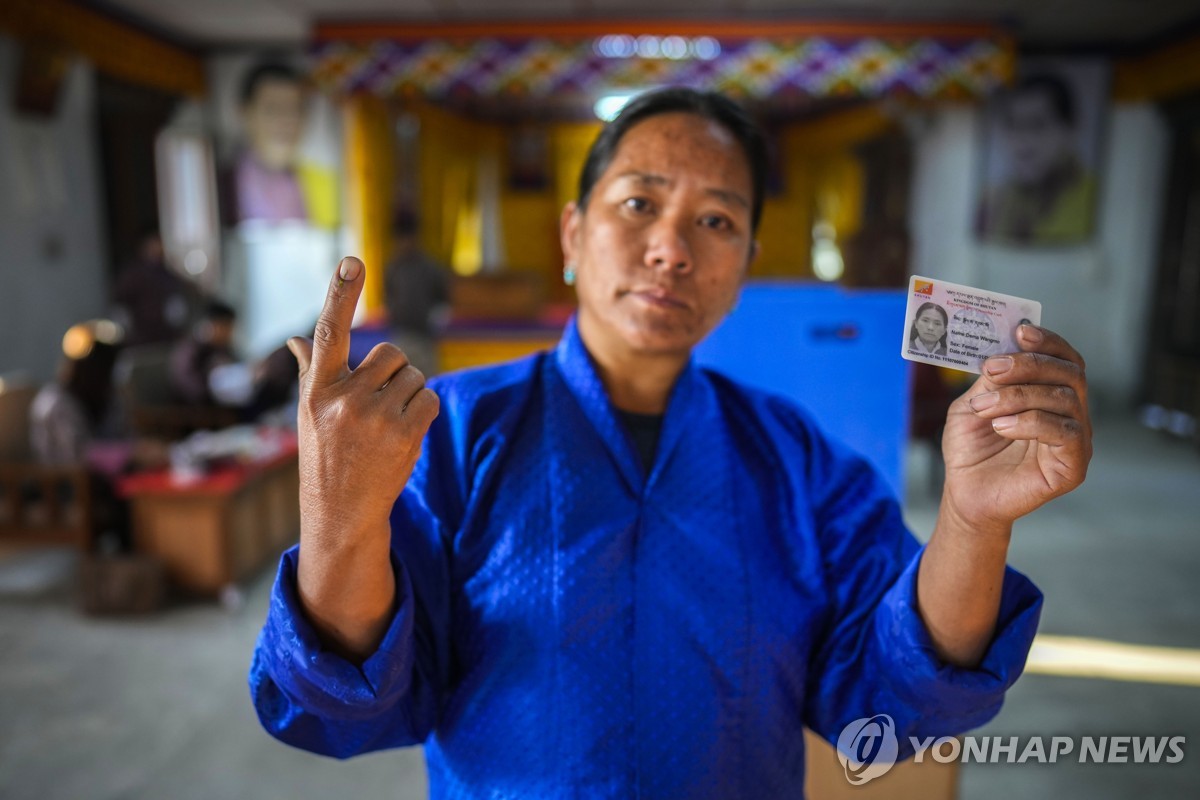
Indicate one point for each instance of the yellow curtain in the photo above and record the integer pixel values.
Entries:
(370, 166)
(571, 143)
(447, 154)
(823, 180)
(462, 206)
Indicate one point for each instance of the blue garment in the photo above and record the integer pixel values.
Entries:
(569, 626)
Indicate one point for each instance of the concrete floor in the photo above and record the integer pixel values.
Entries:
(158, 707)
(1117, 559)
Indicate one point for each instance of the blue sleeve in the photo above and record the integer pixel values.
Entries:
(875, 655)
(308, 696)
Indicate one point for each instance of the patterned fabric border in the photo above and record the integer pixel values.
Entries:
(749, 68)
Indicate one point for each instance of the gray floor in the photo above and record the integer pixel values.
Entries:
(158, 708)
(1117, 559)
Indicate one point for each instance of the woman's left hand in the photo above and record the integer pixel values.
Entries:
(1021, 435)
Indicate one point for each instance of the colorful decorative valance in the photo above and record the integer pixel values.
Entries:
(755, 62)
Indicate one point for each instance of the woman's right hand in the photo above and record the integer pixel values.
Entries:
(360, 434)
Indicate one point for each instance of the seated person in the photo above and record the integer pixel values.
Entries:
(70, 424)
(196, 357)
(275, 381)
(67, 413)
(152, 302)
(205, 371)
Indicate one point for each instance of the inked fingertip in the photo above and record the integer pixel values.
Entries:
(349, 268)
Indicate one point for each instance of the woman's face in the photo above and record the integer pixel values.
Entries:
(930, 326)
(666, 241)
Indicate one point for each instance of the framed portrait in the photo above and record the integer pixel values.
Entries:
(1042, 139)
(280, 143)
(280, 174)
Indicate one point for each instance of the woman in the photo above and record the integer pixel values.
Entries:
(70, 424)
(68, 414)
(555, 609)
(928, 331)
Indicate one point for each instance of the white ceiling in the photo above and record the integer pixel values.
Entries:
(1059, 22)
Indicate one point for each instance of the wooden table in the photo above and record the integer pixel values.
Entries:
(216, 531)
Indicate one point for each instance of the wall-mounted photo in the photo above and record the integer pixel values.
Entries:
(1042, 147)
(279, 143)
(280, 146)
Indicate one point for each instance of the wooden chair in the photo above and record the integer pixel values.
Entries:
(39, 505)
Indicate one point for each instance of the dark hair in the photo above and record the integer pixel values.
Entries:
(266, 71)
(89, 379)
(912, 330)
(709, 105)
(217, 311)
(1062, 99)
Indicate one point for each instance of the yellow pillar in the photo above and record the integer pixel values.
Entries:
(370, 165)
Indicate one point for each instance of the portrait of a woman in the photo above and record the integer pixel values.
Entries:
(605, 571)
(928, 331)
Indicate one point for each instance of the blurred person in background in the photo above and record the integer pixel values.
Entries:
(153, 302)
(206, 372)
(196, 357)
(71, 424)
(417, 291)
(72, 411)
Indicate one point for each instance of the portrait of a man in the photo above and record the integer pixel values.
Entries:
(1039, 161)
(269, 179)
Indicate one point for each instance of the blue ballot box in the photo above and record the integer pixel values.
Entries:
(833, 350)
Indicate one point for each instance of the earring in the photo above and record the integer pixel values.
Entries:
(569, 273)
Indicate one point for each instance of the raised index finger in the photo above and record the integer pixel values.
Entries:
(331, 337)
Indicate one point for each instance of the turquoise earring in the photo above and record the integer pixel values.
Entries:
(569, 273)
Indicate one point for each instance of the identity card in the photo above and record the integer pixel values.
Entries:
(955, 326)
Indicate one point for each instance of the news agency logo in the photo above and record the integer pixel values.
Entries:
(867, 748)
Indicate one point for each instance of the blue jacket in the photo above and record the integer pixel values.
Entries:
(570, 626)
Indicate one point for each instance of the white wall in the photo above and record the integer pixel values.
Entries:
(52, 271)
(1097, 295)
